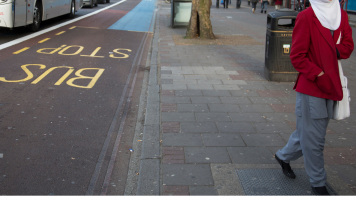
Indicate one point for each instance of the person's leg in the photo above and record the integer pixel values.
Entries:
(266, 4)
(227, 3)
(292, 151)
(317, 112)
(262, 7)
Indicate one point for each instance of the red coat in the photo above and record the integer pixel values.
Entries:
(278, 2)
(314, 50)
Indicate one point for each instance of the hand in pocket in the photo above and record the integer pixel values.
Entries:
(324, 83)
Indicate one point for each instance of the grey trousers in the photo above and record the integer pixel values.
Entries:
(313, 116)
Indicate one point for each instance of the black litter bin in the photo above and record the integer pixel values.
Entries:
(278, 66)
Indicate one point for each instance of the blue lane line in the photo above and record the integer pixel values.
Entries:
(138, 19)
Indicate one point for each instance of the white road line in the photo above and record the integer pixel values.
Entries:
(19, 40)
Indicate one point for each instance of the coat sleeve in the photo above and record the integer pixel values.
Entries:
(346, 45)
(300, 46)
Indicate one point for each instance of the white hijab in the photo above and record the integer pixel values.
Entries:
(328, 13)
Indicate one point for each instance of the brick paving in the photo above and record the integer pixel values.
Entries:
(217, 108)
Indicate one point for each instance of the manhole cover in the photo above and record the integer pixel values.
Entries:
(274, 182)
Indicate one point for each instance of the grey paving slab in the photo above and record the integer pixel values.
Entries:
(206, 155)
(200, 87)
(202, 191)
(280, 117)
(213, 117)
(169, 99)
(192, 108)
(245, 93)
(205, 100)
(346, 172)
(216, 77)
(273, 127)
(252, 87)
(171, 76)
(183, 72)
(262, 140)
(166, 71)
(235, 100)
(235, 127)
(298, 161)
(187, 174)
(216, 93)
(251, 155)
(182, 139)
(247, 117)
(184, 81)
(202, 127)
(210, 82)
(234, 82)
(256, 108)
(174, 86)
(178, 117)
(188, 93)
(265, 100)
(224, 108)
(342, 127)
(204, 71)
(166, 81)
(223, 140)
(201, 77)
(226, 87)
(341, 140)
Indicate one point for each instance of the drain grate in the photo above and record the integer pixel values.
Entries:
(274, 182)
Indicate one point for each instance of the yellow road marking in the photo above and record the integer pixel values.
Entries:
(42, 41)
(60, 33)
(22, 50)
(88, 27)
(72, 27)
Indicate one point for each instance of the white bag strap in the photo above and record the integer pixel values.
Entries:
(341, 73)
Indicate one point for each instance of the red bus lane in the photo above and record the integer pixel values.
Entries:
(62, 100)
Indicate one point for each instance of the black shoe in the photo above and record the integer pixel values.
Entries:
(320, 190)
(287, 170)
(261, 11)
(265, 11)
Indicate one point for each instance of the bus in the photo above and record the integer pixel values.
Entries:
(16, 13)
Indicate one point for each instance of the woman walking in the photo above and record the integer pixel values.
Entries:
(254, 3)
(315, 55)
(278, 4)
(264, 5)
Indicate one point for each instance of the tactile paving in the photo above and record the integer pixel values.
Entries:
(274, 182)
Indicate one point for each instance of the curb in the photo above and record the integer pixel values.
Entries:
(149, 178)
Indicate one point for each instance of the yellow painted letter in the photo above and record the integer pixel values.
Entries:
(28, 72)
(52, 52)
(93, 79)
(50, 70)
(72, 54)
(94, 53)
(117, 51)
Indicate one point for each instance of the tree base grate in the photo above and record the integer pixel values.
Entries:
(274, 182)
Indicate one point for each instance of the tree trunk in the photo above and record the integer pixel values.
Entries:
(200, 24)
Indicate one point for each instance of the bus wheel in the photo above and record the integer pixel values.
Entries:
(72, 10)
(37, 18)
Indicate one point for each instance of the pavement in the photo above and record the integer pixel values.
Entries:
(214, 122)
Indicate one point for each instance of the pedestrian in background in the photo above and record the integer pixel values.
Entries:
(278, 4)
(254, 3)
(226, 4)
(315, 55)
(264, 5)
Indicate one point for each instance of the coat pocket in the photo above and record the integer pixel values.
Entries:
(318, 109)
(324, 84)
